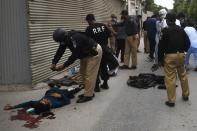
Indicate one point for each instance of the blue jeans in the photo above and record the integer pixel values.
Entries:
(189, 52)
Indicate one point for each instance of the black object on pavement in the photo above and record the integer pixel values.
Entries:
(145, 80)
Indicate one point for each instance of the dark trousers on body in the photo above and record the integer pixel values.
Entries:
(152, 43)
(120, 47)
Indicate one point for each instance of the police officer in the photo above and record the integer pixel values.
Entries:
(111, 24)
(131, 42)
(173, 44)
(100, 33)
(83, 48)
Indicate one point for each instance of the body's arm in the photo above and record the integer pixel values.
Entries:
(22, 105)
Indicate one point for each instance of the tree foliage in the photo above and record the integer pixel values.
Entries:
(151, 6)
(189, 7)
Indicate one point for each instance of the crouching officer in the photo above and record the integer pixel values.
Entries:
(173, 44)
(83, 48)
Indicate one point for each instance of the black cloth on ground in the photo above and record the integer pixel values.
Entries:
(145, 80)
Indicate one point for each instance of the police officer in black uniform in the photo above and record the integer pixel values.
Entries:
(100, 33)
(172, 47)
(83, 48)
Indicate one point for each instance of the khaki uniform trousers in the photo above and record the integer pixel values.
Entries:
(112, 41)
(89, 67)
(131, 50)
(173, 65)
(146, 43)
(139, 35)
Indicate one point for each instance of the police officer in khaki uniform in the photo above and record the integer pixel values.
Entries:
(100, 33)
(84, 48)
(131, 42)
(173, 44)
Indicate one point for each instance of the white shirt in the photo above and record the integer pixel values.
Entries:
(177, 22)
(192, 34)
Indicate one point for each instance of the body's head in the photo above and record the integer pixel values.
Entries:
(90, 19)
(41, 107)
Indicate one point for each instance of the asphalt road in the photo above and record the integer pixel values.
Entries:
(121, 108)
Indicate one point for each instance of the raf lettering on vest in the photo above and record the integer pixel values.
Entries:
(98, 30)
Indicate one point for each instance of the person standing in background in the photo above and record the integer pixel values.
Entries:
(146, 42)
(138, 21)
(151, 31)
(111, 25)
(130, 42)
(192, 34)
(120, 39)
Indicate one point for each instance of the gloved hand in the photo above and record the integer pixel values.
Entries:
(60, 68)
(53, 67)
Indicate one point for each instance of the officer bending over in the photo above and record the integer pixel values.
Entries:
(83, 48)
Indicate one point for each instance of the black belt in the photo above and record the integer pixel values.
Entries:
(175, 52)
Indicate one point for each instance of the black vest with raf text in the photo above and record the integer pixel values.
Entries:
(99, 32)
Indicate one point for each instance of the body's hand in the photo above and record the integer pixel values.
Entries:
(60, 68)
(8, 107)
(53, 67)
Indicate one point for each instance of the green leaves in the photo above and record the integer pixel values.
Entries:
(189, 7)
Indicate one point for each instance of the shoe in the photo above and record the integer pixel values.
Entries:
(97, 89)
(185, 98)
(115, 70)
(84, 99)
(154, 67)
(133, 67)
(162, 87)
(113, 74)
(170, 104)
(82, 95)
(195, 69)
(187, 68)
(104, 86)
(124, 67)
(149, 59)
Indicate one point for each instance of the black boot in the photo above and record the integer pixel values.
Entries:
(84, 99)
(170, 104)
(104, 85)
(97, 88)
